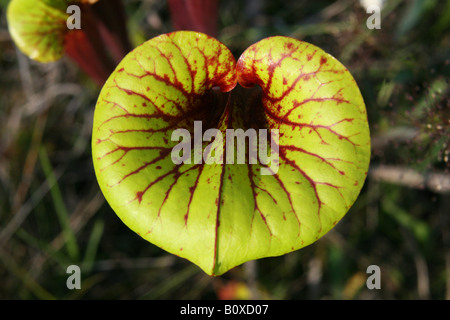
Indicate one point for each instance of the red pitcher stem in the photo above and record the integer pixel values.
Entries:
(195, 15)
(86, 48)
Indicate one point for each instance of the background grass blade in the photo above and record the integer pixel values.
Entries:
(59, 206)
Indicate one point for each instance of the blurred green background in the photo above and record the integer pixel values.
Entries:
(53, 215)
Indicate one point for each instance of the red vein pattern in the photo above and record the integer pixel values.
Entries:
(220, 215)
(38, 29)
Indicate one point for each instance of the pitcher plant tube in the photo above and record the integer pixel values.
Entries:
(219, 215)
(40, 30)
(195, 15)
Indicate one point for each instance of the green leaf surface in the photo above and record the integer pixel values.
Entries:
(38, 27)
(219, 215)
